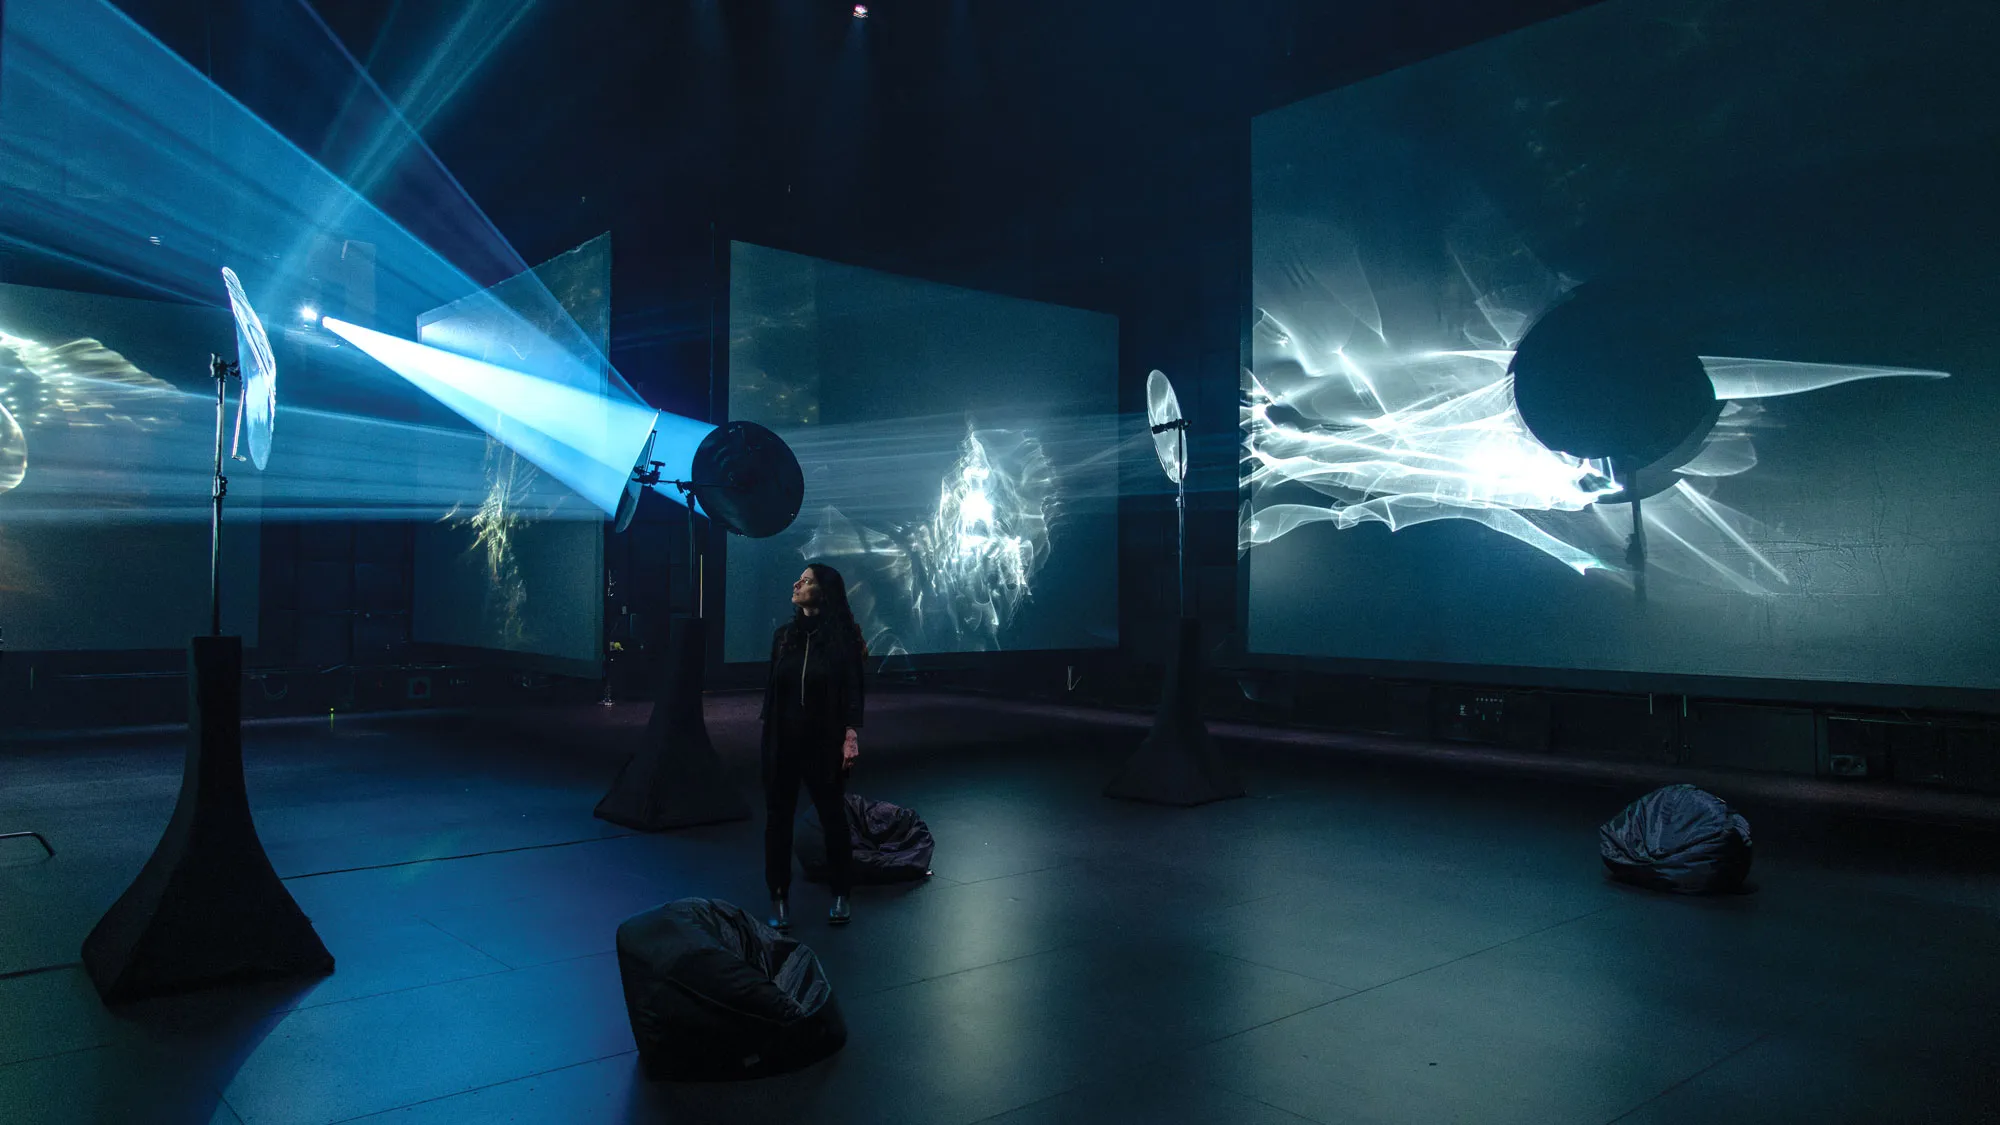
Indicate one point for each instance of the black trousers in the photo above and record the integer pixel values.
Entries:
(781, 803)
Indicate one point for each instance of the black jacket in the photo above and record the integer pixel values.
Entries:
(843, 702)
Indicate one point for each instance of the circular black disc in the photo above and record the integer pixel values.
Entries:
(748, 480)
(1604, 375)
(1651, 480)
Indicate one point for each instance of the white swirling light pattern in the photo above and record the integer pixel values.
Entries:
(1402, 438)
(954, 580)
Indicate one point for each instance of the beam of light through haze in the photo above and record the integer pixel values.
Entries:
(586, 441)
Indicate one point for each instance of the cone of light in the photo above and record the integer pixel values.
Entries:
(587, 441)
(116, 154)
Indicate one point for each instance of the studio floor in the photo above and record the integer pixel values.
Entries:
(1378, 934)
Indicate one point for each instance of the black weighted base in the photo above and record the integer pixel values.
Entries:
(207, 909)
(675, 780)
(1177, 764)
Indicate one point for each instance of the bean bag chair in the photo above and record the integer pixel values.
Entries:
(1679, 838)
(715, 994)
(891, 843)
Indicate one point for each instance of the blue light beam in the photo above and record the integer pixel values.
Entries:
(588, 442)
(116, 154)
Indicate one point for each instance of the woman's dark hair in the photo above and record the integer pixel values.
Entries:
(836, 614)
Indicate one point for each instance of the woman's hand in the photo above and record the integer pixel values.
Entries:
(850, 749)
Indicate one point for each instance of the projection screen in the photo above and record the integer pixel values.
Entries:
(511, 569)
(1793, 195)
(960, 454)
(107, 441)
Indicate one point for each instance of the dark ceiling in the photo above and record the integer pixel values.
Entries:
(929, 124)
(1058, 149)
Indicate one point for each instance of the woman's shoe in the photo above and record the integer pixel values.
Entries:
(839, 915)
(779, 921)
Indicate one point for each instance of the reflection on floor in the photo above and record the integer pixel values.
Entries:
(1368, 938)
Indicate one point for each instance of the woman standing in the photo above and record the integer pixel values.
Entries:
(812, 723)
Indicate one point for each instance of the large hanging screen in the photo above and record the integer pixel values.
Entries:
(960, 454)
(107, 446)
(1732, 261)
(517, 565)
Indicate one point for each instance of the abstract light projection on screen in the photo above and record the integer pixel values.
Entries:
(87, 434)
(77, 383)
(493, 572)
(961, 452)
(963, 572)
(1402, 436)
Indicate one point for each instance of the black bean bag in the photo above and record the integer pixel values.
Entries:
(1679, 838)
(715, 994)
(891, 843)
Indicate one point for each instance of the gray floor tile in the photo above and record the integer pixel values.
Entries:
(113, 1085)
(1835, 1080)
(338, 1061)
(537, 929)
(373, 956)
(603, 1092)
(1497, 1037)
(50, 1013)
(1157, 1099)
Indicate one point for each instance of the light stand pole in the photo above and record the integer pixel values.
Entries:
(207, 909)
(675, 779)
(1177, 764)
(748, 482)
(1635, 545)
(223, 371)
(1180, 428)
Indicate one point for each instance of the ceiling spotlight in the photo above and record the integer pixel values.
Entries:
(861, 11)
(308, 314)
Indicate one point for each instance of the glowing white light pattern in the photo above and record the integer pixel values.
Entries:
(113, 442)
(1737, 379)
(13, 451)
(79, 384)
(954, 580)
(1404, 437)
(509, 477)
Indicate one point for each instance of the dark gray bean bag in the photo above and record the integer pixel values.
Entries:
(715, 994)
(1679, 838)
(891, 843)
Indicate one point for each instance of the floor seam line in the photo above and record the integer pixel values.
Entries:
(1269, 1022)
(1489, 949)
(1697, 1074)
(507, 965)
(1405, 976)
(976, 968)
(474, 1089)
(58, 1054)
(451, 858)
(1015, 874)
(286, 1012)
(1350, 990)
(1271, 1105)
(38, 970)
